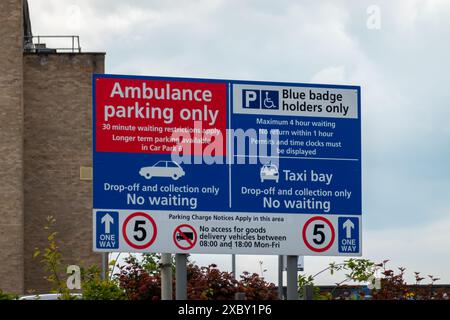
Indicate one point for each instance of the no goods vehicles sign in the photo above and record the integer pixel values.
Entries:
(185, 237)
(225, 166)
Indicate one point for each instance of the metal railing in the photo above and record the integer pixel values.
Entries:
(36, 44)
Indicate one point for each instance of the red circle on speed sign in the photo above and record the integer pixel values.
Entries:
(328, 244)
(141, 229)
(185, 233)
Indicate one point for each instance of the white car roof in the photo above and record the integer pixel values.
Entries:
(47, 296)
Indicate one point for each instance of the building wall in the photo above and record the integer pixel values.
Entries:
(45, 136)
(58, 140)
(11, 140)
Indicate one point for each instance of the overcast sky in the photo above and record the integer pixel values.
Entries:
(400, 61)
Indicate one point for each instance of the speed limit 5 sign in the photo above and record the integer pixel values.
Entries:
(139, 230)
(318, 234)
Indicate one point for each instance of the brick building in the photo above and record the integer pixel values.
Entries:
(45, 138)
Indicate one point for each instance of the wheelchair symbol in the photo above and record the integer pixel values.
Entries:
(270, 100)
(268, 103)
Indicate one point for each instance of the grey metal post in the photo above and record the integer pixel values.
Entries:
(181, 276)
(308, 292)
(292, 278)
(233, 265)
(105, 265)
(280, 277)
(240, 296)
(166, 276)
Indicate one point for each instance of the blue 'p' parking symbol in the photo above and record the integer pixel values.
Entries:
(251, 99)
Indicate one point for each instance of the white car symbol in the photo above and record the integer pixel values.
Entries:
(167, 169)
(269, 172)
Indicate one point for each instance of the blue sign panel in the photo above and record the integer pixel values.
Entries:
(276, 151)
(348, 234)
(107, 230)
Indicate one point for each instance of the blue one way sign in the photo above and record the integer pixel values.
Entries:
(107, 230)
(348, 234)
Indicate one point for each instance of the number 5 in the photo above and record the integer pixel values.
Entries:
(138, 228)
(318, 232)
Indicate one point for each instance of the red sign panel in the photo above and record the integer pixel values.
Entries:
(156, 116)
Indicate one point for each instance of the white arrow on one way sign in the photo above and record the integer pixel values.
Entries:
(348, 226)
(107, 220)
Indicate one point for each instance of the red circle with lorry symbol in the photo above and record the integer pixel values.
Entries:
(190, 237)
(305, 238)
(139, 228)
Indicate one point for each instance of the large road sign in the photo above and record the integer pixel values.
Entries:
(224, 166)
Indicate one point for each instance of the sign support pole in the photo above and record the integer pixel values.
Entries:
(181, 276)
(166, 276)
(233, 265)
(280, 277)
(292, 285)
(105, 265)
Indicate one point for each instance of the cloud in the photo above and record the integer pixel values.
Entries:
(330, 75)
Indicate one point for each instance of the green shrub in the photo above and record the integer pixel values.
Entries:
(7, 296)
